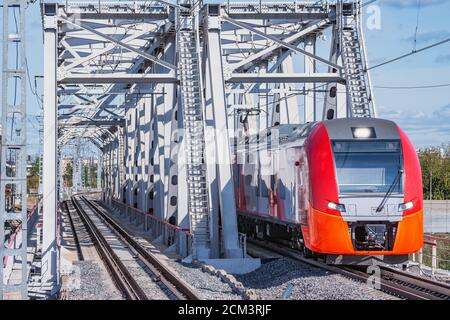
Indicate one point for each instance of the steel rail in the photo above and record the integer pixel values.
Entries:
(74, 231)
(119, 273)
(439, 290)
(391, 281)
(177, 286)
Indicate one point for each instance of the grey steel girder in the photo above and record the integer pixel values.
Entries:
(118, 84)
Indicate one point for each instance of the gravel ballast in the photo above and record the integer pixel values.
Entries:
(209, 286)
(292, 280)
(87, 282)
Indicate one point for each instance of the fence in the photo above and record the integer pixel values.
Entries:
(158, 228)
(435, 253)
(168, 233)
(32, 217)
(437, 216)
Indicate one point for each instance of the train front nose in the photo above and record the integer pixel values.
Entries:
(331, 234)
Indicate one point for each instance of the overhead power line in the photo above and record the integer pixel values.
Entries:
(409, 54)
(417, 24)
(415, 87)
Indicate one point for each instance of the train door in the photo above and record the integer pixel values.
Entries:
(265, 172)
(302, 188)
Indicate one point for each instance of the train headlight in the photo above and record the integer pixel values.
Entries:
(363, 132)
(405, 206)
(336, 206)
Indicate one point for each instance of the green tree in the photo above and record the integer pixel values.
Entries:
(67, 176)
(435, 164)
(33, 176)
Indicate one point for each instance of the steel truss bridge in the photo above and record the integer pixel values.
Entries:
(159, 87)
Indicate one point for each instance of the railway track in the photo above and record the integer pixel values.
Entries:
(392, 281)
(130, 288)
(69, 210)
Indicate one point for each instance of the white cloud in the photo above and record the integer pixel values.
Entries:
(424, 129)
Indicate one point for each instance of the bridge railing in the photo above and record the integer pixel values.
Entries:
(32, 218)
(435, 253)
(160, 229)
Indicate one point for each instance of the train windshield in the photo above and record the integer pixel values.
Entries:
(368, 166)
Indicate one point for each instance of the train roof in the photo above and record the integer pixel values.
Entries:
(338, 129)
(343, 129)
(282, 133)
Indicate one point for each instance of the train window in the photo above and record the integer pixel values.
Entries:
(272, 182)
(264, 190)
(282, 191)
(248, 179)
(364, 167)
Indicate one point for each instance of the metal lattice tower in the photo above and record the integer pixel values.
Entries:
(13, 146)
(358, 84)
(193, 106)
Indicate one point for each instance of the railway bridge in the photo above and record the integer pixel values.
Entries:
(144, 100)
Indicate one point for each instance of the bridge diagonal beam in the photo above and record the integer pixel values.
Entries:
(121, 43)
(269, 50)
(279, 42)
(82, 60)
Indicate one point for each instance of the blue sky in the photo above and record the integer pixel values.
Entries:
(423, 113)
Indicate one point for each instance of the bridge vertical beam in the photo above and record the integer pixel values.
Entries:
(118, 169)
(99, 171)
(310, 66)
(158, 155)
(182, 207)
(335, 98)
(109, 187)
(290, 113)
(211, 171)
(119, 161)
(170, 126)
(223, 156)
(129, 152)
(153, 145)
(263, 120)
(140, 150)
(148, 170)
(49, 246)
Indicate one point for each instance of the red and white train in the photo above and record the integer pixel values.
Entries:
(349, 190)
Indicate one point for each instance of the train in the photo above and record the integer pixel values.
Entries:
(345, 190)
